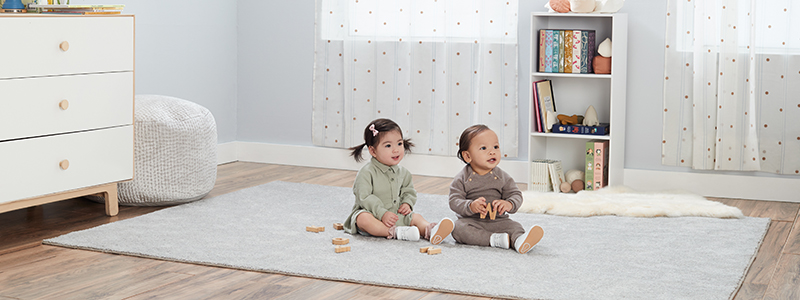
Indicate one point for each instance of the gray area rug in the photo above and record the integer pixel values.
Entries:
(606, 257)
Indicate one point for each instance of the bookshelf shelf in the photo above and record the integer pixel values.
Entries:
(570, 136)
(571, 75)
(574, 92)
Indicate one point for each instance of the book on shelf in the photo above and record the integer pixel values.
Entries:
(79, 9)
(546, 175)
(596, 167)
(77, 6)
(537, 120)
(543, 93)
(566, 51)
(600, 164)
(600, 129)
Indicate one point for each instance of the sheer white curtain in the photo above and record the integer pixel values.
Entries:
(732, 85)
(433, 66)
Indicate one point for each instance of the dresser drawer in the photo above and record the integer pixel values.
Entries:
(37, 106)
(95, 44)
(48, 105)
(31, 167)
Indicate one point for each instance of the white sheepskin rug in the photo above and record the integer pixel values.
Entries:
(624, 201)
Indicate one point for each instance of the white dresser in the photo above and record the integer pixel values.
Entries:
(66, 113)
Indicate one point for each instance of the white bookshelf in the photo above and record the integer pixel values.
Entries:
(573, 93)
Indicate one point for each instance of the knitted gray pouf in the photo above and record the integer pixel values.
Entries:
(175, 153)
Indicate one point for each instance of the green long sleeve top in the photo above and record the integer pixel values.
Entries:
(379, 189)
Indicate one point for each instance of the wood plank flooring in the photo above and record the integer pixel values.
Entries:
(29, 270)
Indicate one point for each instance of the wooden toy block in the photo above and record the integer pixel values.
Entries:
(492, 213)
(315, 228)
(340, 241)
(340, 249)
(432, 251)
(424, 249)
(338, 226)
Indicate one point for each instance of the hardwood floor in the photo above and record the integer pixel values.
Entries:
(30, 270)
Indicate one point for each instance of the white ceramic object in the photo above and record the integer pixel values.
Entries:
(551, 120)
(590, 117)
(605, 48)
(573, 175)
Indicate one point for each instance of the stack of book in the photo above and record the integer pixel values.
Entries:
(79, 9)
(566, 51)
(546, 175)
(596, 172)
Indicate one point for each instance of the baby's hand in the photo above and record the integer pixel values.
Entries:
(501, 206)
(389, 219)
(404, 209)
(478, 206)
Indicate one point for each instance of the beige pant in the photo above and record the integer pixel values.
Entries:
(473, 231)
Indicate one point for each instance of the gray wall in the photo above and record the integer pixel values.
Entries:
(187, 49)
(250, 62)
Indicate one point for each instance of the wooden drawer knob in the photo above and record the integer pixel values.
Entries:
(64, 104)
(64, 164)
(64, 46)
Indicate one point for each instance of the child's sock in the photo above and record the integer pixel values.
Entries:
(499, 240)
(405, 233)
(525, 242)
(437, 232)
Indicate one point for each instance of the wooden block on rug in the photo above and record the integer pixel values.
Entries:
(432, 251)
(315, 228)
(424, 249)
(338, 226)
(340, 241)
(340, 249)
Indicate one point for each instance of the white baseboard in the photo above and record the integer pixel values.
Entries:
(334, 158)
(716, 185)
(226, 153)
(712, 185)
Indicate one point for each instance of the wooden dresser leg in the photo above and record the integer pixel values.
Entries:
(112, 202)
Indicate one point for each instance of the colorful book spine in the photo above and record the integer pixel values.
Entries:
(584, 51)
(600, 129)
(568, 51)
(548, 48)
(541, 50)
(576, 51)
(556, 49)
(562, 52)
(537, 121)
(600, 164)
(588, 167)
(592, 49)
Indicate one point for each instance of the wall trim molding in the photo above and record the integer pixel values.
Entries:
(716, 185)
(712, 185)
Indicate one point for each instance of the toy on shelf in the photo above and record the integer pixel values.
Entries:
(570, 120)
(602, 61)
(574, 181)
(590, 117)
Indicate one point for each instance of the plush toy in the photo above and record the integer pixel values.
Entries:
(561, 6)
(590, 118)
(570, 120)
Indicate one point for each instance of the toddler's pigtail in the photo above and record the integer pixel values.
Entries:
(356, 152)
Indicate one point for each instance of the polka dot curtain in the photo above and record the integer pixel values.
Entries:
(433, 66)
(732, 85)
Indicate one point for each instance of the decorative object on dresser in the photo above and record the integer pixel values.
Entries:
(176, 152)
(66, 129)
